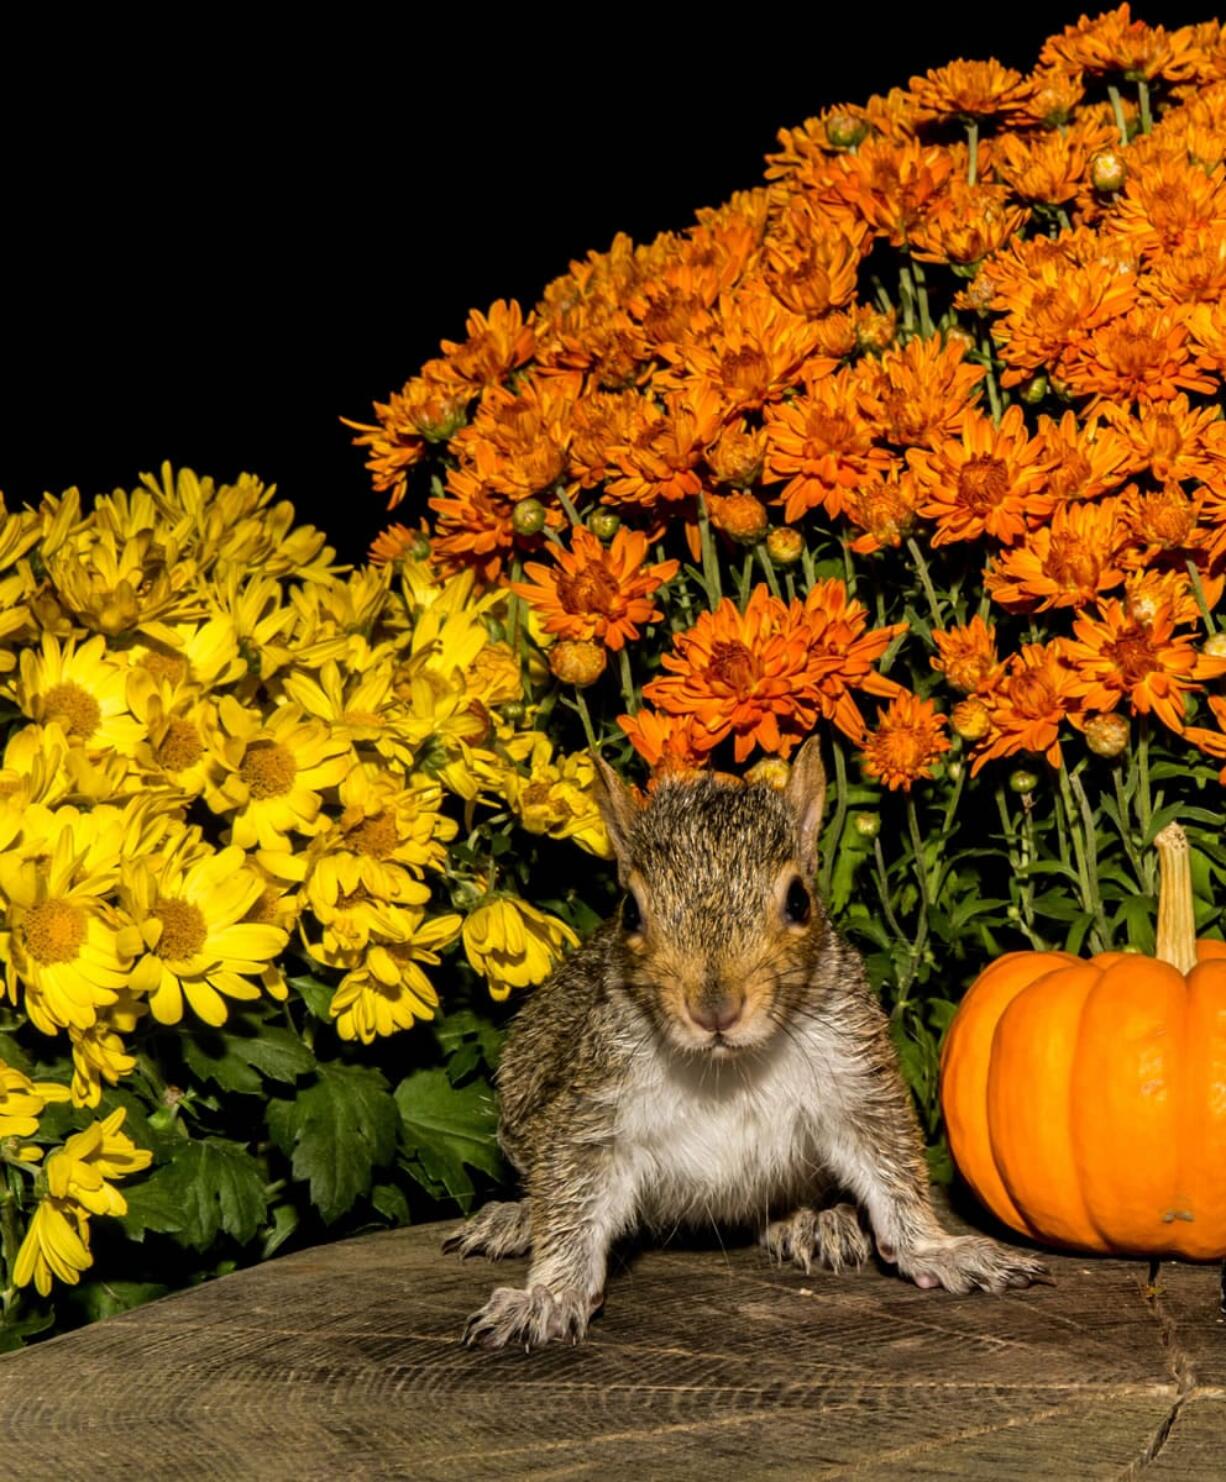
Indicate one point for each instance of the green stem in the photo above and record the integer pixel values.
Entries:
(1017, 860)
(917, 848)
(10, 1244)
(906, 297)
(572, 514)
(1124, 810)
(513, 603)
(883, 886)
(1199, 592)
(921, 293)
(972, 144)
(1145, 810)
(628, 692)
(934, 602)
(1027, 854)
(1117, 103)
(840, 816)
(1091, 845)
(768, 570)
(581, 707)
(1147, 121)
(1087, 890)
(710, 557)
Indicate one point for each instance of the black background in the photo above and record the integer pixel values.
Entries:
(218, 244)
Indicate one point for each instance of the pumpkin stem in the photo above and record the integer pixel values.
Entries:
(1176, 917)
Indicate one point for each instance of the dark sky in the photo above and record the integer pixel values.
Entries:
(216, 251)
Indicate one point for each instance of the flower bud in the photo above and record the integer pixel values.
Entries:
(970, 719)
(420, 548)
(1107, 170)
(953, 770)
(867, 825)
(1214, 647)
(529, 517)
(513, 711)
(466, 895)
(1107, 735)
(1023, 782)
(742, 517)
(785, 546)
(603, 523)
(772, 770)
(1034, 390)
(578, 662)
(956, 335)
(845, 130)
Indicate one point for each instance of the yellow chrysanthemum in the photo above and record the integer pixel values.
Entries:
(390, 991)
(22, 1102)
(80, 1170)
(557, 798)
(61, 942)
(387, 819)
(339, 896)
(273, 768)
(189, 925)
(513, 945)
(56, 1245)
(82, 689)
(359, 707)
(99, 1054)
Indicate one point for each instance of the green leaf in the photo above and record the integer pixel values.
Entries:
(96, 1299)
(15, 1331)
(336, 1132)
(284, 1223)
(12, 1055)
(316, 994)
(390, 1201)
(209, 1186)
(237, 1060)
(449, 1128)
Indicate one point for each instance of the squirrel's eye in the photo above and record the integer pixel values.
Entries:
(798, 905)
(632, 917)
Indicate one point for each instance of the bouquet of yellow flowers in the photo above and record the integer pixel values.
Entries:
(916, 444)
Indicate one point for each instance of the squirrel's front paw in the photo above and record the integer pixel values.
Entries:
(498, 1230)
(962, 1263)
(529, 1315)
(829, 1238)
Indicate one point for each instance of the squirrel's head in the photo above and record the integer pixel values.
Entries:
(719, 921)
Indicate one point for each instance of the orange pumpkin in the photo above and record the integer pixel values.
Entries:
(1085, 1100)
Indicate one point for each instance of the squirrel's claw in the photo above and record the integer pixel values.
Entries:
(532, 1316)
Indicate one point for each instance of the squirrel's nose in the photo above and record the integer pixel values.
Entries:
(719, 1014)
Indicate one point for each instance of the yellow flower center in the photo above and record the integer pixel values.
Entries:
(377, 836)
(54, 931)
(266, 910)
(181, 746)
(982, 483)
(184, 929)
(268, 769)
(76, 708)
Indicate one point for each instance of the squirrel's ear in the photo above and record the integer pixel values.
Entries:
(806, 794)
(617, 808)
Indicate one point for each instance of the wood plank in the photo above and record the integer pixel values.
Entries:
(345, 1361)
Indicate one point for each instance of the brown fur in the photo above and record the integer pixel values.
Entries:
(619, 1108)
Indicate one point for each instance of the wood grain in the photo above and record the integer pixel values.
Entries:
(344, 1362)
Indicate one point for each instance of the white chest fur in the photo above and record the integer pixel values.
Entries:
(718, 1140)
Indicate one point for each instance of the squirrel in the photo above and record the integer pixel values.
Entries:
(712, 1053)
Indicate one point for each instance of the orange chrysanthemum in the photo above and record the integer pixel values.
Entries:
(969, 90)
(1052, 311)
(967, 655)
(921, 393)
(517, 443)
(907, 741)
(393, 544)
(665, 742)
(990, 481)
(474, 528)
(970, 223)
(1168, 205)
(497, 342)
(823, 446)
(423, 412)
(1164, 524)
(757, 351)
(1086, 458)
(845, 651)
(1065, 564)
(1114, 43)
(594, 592)
(658, 462)
(746, 675)
(885, 509)
(1173, 439)
(891, 186)
(1118, 656)
(1142, 356)
(1028, 705)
